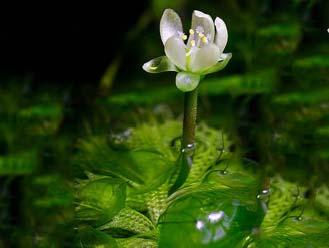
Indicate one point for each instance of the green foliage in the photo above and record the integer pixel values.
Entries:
(18, 164)
(272, 100)
(56, 192)
(28, 125)
(290, 222)
(100, 200)
(89, 238)
(215, 207)
(144, 169)
(251, 83)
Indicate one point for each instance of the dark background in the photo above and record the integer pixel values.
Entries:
(62, 42)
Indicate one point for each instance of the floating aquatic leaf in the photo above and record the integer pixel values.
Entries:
(211, 218)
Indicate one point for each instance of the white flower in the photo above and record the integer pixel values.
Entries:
(192, 57)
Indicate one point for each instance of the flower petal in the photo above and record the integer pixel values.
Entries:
(225, 58)
(200, 19)
(160, 64)
(187, 81)
(175, 51)
(221, 34)
(170, 25)
(204, 58)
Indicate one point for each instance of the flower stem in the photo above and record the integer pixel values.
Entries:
(190, 113)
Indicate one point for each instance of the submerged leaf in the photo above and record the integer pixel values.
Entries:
(294, 233)
(101, 200)
(129, 220)
(92, 238)
(143, 169)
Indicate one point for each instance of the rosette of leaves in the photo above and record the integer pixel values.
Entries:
(127, 197)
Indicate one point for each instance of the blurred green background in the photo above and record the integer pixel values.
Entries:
(65, 76)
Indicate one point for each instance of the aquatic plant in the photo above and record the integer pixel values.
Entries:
(153, 186)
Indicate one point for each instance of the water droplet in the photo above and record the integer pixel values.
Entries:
(264, 194)
(189, 150)
(299, 218)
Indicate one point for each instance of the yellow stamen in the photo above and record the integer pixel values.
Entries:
(184, 37)
(192, 43)
(204, 39)
(201, 35)
(191, 31)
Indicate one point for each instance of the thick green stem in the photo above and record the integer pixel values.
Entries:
(189, 122)
(190, 113)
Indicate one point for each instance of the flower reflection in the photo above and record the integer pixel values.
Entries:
(215, 225)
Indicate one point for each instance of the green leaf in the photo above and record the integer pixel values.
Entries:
(305, 97)
(251, 83)
(144, 169)
(129, 220)
(143, 97)
(312, 62)
(209, 218)
(91, 238)
(135, 242)
(49, 111)
(100, 200)
(55, 192)
(294, 233)
(211, 145)
(286, 224)
(18, 164)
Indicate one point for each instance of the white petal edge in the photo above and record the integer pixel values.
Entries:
(187, 81)
(175, 50)
(170, 25)
(206, 22)
(160, 64)
(204, 58)
(221, 34)
(224, 59)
